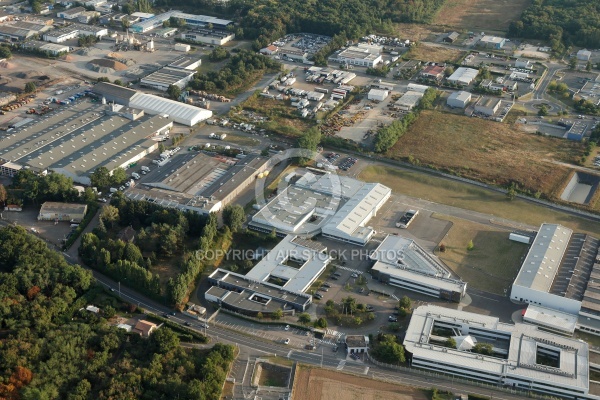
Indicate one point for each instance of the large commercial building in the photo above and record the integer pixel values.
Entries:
(200, 182)
(76, 140)
(195, 21)
(523, 357)
(241, 294)
(63, 34)
(401, 262)
(181, 113)
(165, 77)
(492, 42)
(362, 55)
(408, 101)
(336, 206)
(488, 106)
(12, 34)
(293, 264)
(463, 76)
(561, 272)
(208, 36)
(186, 63)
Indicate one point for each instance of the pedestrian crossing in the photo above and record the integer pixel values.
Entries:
(350, 269)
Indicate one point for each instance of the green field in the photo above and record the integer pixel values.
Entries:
(494, 261)
(471, 197)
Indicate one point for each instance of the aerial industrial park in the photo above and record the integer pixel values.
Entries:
(401, 208)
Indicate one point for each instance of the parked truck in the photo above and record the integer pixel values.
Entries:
(135, 175)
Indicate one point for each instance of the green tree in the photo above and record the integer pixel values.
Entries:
(100, 178)
(30, 87)
(309, 141)
(588, 66)
(389, 351)
(511, 193)
(119, 82)
(304, 318)
(103, 79)
(405, 303)
(164, 340)
(234, 217)
(543, 111)
(174, 92)
(573, 63)
(218, 54)
(451, 343)
(109, 312)
(321, 323)
(118, 177)
(483, 348)
(278, 314)
(110, 215)
(357, 321)
(3, 194)
(5, 52)
(470, 245)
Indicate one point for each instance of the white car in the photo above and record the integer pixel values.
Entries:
(287, 328)
(286, 341)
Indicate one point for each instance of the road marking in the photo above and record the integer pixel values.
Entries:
(489, 298)
(341, 365)
(290, 353)
(366, 370)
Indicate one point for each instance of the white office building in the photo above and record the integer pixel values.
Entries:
(458, 99)
(401, 262)
(522, 356)
(191, 20)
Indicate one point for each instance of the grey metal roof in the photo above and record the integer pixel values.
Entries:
(544, 257)
(112, 90)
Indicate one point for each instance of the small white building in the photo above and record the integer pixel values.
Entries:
(70, 13)
(182, 47)
(522, 63)
(487, 106)
(357, 344)
(584, 55)
(458, 99)
(377, 94)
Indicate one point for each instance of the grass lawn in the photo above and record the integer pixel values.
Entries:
(480, 15)
(493, 262)
(490, 152)
(470, 197)
(427, 53)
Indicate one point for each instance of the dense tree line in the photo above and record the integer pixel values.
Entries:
(562, 22)
(389, 135)
(39, 188)
(52, 350)
(241, 68)
(161, 233)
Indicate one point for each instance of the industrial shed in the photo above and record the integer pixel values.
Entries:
(463, 76)
(181, 113)
(165, 77)
(377, 94)
(459, 99)
(113, 93)
(62, 211)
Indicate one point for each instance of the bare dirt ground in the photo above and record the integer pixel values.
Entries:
(428, 53)
(416, 32)
(480, 15)
(317, 384)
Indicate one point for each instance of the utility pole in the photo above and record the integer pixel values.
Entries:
(321, 355)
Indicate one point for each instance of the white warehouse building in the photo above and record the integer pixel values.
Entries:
(561, 272)
(377, 94)
(181, 113)
(458, 99)
(463, 76)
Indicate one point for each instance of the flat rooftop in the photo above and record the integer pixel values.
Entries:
(404, 253)
(550, 318)
(184, 62)
(544, 257)
(59, 208)
(521, 361)
(80, 138)
(167, 76)
(297, 262)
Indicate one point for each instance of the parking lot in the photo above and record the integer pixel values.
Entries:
(52, 233)
(373, 116)
(308, 42)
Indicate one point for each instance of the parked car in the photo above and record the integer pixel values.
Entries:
(287, 328)
(318, 296)
(335, 278)
(286, 341)
(392, 318)
(327, 285)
